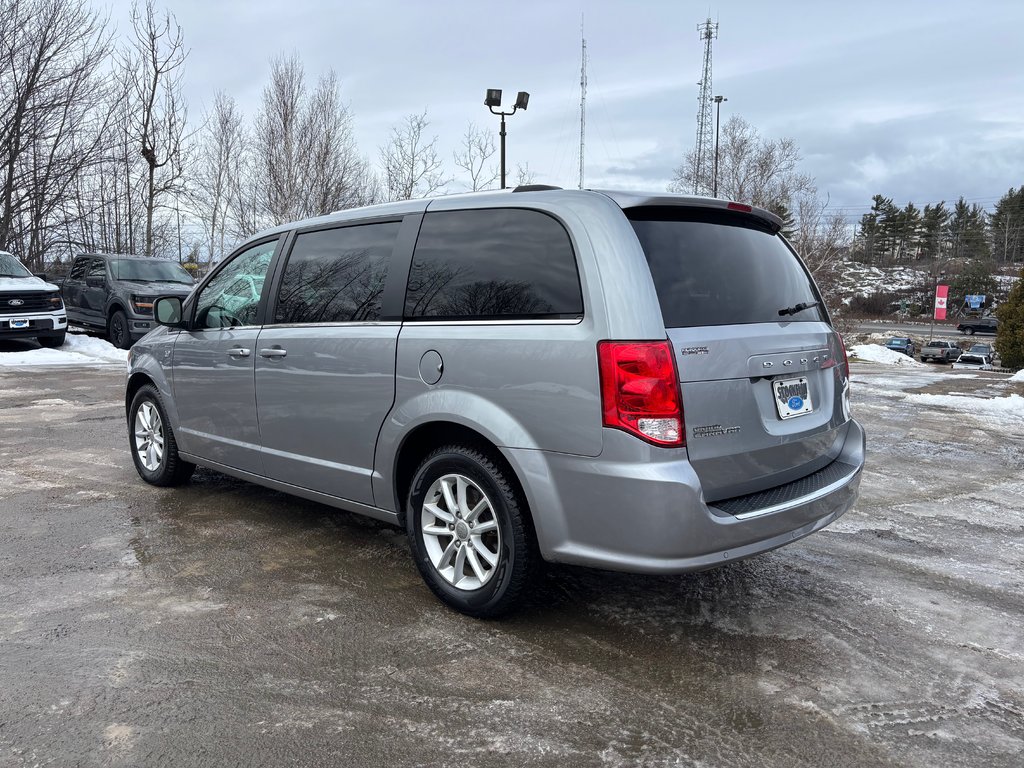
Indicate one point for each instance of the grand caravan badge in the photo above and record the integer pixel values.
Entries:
(714, 430)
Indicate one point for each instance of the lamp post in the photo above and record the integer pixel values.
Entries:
(493, 100)
(718, 119)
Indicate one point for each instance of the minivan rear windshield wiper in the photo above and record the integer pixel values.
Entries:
(799, 307)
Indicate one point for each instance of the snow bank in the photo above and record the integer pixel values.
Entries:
(997, 411)
(1018, 376)
(876, 353)
(78, 349)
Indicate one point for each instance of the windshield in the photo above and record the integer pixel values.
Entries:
(714, 268)
(898, 342)
(150, 271)
(11, 267)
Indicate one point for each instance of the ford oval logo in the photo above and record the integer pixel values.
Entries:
(15, 302)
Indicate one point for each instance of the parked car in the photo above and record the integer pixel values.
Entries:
(939, 352)
(902, 344)
(977, 362)
(114, 293)
(30, 307)
(640, 383)
(982, 349)
(975, 325)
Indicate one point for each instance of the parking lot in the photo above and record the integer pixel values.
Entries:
(225, 624)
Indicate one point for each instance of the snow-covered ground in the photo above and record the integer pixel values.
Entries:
(78, 349)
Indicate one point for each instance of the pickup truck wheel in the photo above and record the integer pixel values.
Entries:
(52, 342)
(117, 330)
(153, 447)
(969, 331)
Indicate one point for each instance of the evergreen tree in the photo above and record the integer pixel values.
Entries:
(933, 220)
(1007, 226)
(1010, 339)
(967, 232)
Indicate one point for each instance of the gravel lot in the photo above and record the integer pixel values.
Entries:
(224, 624)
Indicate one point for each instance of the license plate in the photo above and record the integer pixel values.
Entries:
(792, 397)
(19, 323)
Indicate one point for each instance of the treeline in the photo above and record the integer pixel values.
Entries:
(889, 235)
(98, 150)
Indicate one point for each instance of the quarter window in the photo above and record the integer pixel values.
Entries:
(337, 275)
(232, 297)
(493, 264)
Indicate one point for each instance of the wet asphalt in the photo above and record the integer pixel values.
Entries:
(225, 624)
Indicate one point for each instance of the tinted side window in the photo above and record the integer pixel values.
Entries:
(493, 264)
(97, 268)
(78, 269)
(232, 296)
(337, 275)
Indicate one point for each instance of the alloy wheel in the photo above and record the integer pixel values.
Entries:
(460, 531)
(149, 436)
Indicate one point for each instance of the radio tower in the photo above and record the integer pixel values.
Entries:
(704, 153)
(583, 101)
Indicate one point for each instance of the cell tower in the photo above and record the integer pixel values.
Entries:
(704, 153)
(583, 102)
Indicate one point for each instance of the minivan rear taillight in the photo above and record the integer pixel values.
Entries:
(846, 360)
(640, 390)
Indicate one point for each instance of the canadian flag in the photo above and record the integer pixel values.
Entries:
(941, 292)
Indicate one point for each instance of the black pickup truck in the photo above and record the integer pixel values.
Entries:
(975, 325)
(115, 294)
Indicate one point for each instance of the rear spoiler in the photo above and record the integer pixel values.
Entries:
(627, 200)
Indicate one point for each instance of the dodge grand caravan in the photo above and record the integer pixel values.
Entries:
(646, 383)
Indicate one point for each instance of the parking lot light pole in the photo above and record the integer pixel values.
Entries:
(718, 120)
(493, 100)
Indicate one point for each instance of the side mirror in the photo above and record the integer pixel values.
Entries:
(41, 275)
(167, 311)
(94, 281)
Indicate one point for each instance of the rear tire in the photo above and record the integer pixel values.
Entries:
(151, 441)
(52, 342)
(470, 531)
(117, 330)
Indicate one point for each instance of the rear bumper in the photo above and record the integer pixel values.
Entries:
(640, 509)
(39, 324)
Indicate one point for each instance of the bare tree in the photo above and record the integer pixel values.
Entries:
(52, 119)
(751, 169)
(156, 59)
(473, 156)
(411, 164)
(336, 177)
(524, 175)
(819, 235)
(220, 156)
(304, 150)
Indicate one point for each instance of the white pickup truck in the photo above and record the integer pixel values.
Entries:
(30, 307)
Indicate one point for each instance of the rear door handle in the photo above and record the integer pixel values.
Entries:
(275, 352)
(239, 352)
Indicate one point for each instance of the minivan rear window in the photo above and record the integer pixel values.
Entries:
(718, 268)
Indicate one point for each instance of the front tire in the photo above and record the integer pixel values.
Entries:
(151, 441)
(117, 330)
(52, 342)
(470, 532)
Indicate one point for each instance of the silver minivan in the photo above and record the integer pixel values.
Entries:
(644, 383)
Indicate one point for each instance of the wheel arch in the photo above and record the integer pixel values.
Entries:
(430, 435)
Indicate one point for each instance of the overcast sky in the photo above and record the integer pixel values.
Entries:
(920, 101)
